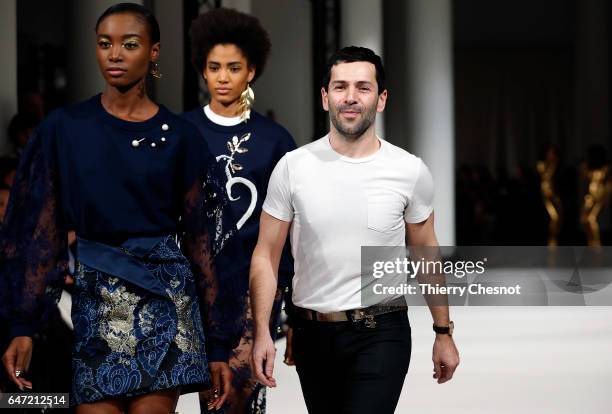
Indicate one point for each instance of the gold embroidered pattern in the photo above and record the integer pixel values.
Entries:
(186, 338)
(117, 321)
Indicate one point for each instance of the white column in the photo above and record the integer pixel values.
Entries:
(362, 25)
(169, 89)
(288, 72)
(8, 75)
(429, 92)
(84, 77)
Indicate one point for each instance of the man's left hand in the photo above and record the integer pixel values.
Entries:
(445, 358)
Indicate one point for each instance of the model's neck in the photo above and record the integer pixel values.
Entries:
(230, 110)
(131, 104)
(354, 147)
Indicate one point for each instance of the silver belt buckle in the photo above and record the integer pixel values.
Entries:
(370, 322)
(359, 314)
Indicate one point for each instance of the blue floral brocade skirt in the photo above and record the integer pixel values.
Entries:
(130, 340)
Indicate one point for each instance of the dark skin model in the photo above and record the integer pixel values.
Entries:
(124, 51)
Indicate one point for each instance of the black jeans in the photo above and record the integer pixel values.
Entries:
(348, 368)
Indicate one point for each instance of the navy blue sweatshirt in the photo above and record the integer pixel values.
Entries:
(248, 152)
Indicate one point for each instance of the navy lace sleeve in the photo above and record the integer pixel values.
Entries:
(210, 241)
(33, 247)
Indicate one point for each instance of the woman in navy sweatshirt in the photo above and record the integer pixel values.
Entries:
(229, 50)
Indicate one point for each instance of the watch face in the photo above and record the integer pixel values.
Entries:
(451, 327)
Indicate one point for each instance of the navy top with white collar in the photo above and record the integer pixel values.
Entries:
(254, 146)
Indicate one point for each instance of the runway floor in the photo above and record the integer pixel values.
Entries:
(513, 360)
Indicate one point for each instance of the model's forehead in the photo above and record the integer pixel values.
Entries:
(354, 72)
(122, 23)
(225, 52)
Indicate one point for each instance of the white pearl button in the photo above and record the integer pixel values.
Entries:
(163, 139)
(165, 127)
(135, 143)
(153, 145)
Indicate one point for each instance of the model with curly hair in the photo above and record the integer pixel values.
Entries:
(229, 50)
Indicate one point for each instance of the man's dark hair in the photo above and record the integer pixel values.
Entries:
(139, 11)
(228, 26)
(356, 54)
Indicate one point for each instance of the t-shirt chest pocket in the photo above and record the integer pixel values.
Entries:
(385, 211)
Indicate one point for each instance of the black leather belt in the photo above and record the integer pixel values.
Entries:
(353, 315)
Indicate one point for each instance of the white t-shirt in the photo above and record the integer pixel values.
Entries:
(336, 205)
(224, 120)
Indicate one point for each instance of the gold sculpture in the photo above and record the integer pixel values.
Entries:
(547, 168)
(597, 196)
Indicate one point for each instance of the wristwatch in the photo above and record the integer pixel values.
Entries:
(445, 330)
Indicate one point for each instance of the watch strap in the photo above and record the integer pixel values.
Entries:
(444, 330)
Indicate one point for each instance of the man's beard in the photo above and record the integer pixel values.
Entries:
(368, 115)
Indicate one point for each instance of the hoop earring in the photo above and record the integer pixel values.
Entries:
(155, 71)
(247, 98)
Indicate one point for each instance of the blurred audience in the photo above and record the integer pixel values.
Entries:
(32, 104)
(8, 169)
(4, 196)
(19, 130)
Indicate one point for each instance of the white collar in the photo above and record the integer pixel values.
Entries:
(222, 120)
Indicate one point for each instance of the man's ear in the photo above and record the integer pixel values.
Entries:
(382, 101)
(325, 99)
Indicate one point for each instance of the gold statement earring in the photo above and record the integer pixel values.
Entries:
(247, 98)
(155, 71)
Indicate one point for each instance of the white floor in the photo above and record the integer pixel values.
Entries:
(513, 360)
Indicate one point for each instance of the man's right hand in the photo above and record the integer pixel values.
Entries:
(16, 360)
(262, 359)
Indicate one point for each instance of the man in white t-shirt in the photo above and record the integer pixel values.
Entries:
(346, 190)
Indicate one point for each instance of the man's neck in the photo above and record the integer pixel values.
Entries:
(360, 147)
